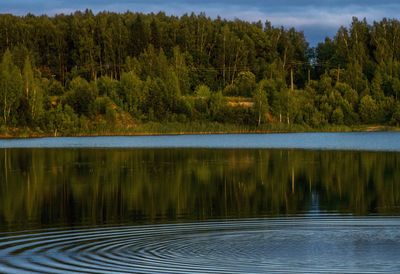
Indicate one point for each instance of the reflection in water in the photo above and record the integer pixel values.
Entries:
(64, 187)
(274, 211)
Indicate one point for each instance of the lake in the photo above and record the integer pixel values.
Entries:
(258, 203)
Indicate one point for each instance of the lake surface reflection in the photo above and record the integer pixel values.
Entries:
(198, 210)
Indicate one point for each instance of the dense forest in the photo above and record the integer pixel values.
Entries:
(88, 72)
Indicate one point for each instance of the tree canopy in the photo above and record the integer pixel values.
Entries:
(155, 67)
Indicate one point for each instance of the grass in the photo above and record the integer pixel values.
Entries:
(156, 128)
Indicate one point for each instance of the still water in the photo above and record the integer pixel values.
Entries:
(199, 210)
(372, 141)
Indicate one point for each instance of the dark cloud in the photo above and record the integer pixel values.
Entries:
(317, 18)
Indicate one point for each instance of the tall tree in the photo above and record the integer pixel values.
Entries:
(155, 35)
(139, 36)
(260, 101)
(181, 70)
(32, 90)
(11, 86)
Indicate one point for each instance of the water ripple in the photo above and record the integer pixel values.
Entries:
(301, 245)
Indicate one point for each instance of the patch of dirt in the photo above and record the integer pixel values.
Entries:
(244, 104)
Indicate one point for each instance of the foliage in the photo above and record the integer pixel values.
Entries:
(107, 68)
(243, 85)
(202, 91)
(11, 86)
(368, 109)
(260, 102)
(81, 96)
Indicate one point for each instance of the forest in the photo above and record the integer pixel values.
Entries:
(81, 73)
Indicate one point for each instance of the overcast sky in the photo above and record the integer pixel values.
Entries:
(317, 18)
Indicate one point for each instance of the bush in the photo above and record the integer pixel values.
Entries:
(337, 116)
(107, 86)
(55, 88)
(81, 97)
(111, 114)
(368, 110)
(396, 116)
(202, 91)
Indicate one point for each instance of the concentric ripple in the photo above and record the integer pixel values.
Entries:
(301, 244)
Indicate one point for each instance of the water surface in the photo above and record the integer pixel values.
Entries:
(198, 210)
(375, 141)
(298, 245)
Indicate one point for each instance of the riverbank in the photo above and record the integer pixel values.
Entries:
(175, 128)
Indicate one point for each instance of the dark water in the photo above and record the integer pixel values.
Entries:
(173, 210)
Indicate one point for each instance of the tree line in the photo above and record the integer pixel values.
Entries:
(72, 73)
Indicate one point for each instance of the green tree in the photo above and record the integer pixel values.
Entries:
(376, 86)
(260, 101)
(202, 91)
(159, 104)
(81, 97)
(33, 91)
(107, 86)
(139, 36)
(155, 35)
(368, 109)
(61, 120)
(131, 89)
(217, 105)
(181, 70)
(85, 50)
(244, 85)
(11, 86)
(395, 120)
(337, 116)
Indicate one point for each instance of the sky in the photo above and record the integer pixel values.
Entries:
(317, 18)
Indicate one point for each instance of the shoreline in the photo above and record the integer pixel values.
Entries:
(141, 131)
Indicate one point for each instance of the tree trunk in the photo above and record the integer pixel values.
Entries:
(291, 80)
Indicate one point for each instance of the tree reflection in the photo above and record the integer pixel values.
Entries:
(98, 186)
